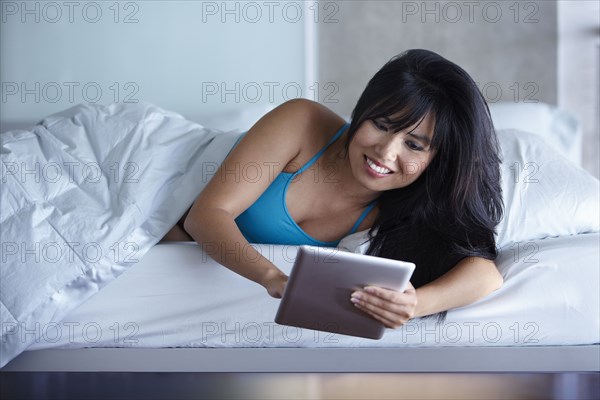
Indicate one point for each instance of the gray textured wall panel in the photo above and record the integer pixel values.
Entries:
(509, 48)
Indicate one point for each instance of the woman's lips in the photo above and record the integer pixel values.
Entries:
(373, 172)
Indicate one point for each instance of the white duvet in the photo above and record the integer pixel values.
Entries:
(85, 194)
(88, 192)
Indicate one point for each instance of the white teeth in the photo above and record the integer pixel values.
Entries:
(376, 168)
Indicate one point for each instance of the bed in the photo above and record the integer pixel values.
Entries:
(87, 288)
(171, 313)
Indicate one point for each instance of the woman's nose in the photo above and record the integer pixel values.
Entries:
(389, 149)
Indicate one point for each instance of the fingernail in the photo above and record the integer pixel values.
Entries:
(354, 300)
(355, 295)
(369, 289)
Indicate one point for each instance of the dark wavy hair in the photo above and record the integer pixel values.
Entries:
(451, 211)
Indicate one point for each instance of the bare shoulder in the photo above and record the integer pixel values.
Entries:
(308, 116)
(300, 126)
(322, 119)
(316, 126)
(281, 138)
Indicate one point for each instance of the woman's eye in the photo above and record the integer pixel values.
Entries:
(413, 146)
(380, 126)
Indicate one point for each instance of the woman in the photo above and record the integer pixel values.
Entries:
(418, 166)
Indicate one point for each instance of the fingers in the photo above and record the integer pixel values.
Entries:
(392, 315)
(276, 291)
(390, 307)
(376, 313)
(380, 296)
(276, 286)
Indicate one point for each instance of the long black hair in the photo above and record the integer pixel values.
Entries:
(452, 209)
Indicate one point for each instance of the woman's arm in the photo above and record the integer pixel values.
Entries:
(470, 280)
(271, 144)
(216, 231)
(176, 234)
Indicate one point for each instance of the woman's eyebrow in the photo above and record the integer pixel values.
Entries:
(422, 138)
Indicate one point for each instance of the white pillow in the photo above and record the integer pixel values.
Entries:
(545, 195)
(560, 129)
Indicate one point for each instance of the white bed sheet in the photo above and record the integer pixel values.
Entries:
(176, 296)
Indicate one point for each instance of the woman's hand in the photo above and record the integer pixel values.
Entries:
(391, 307)
(275, 283)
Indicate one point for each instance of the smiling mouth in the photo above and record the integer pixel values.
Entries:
(378, 169)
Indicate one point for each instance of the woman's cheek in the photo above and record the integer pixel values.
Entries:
(415, 168)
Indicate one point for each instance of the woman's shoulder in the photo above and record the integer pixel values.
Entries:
(311, 113)
(313, 124)
(293, 131)
(319, 123)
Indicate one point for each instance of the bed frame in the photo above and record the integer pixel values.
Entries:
(551, 359)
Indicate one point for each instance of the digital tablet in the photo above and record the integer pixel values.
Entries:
(317, 294)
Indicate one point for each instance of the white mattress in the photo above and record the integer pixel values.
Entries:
(178, 297)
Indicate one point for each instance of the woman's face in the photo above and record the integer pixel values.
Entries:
(383, 160)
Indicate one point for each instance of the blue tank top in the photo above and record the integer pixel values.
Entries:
(267, 220)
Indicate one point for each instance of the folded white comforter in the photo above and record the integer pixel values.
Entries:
(85, 194)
